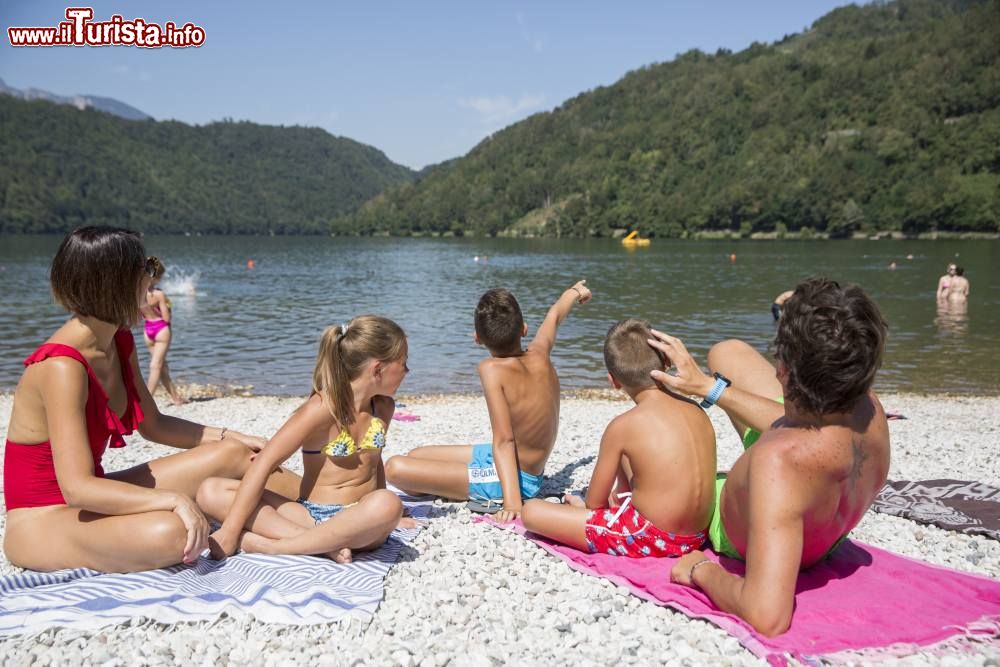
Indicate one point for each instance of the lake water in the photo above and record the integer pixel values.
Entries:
(259, 327)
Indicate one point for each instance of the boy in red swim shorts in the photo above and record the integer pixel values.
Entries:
(653, 487)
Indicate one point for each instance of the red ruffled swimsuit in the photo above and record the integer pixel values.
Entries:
(29, 475)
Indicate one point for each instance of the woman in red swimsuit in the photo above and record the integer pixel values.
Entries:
(80, 393)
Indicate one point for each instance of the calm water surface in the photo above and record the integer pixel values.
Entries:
(259, 327)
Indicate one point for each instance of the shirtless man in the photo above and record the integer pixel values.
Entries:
(822, 455)
(522, 395)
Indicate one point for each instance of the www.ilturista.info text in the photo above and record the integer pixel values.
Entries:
(81, 30)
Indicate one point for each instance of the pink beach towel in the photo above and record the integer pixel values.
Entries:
(860, 600)
(404, 416)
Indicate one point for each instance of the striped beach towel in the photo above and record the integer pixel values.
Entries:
(290, 590)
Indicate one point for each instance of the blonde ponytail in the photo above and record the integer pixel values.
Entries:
(343, 352)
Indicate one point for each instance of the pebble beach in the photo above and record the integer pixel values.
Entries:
(467, 594)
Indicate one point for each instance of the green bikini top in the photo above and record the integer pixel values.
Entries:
(345, 445)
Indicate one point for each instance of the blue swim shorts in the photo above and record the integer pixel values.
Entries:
(484, 482)
(321, 512)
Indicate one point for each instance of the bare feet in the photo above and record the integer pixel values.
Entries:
(574, 500)
(342, 556)
(409, 522)
(253, 543)
(178, 400)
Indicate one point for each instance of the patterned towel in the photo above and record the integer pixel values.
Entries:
(860, 602)
(965, 507)
(291, 590)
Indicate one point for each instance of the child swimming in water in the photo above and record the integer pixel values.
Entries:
(340, 504)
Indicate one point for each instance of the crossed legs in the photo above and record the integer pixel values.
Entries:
(283, 526)
(59, 536)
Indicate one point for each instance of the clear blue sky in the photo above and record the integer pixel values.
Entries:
(422, 81)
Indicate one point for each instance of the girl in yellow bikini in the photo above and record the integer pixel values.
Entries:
(340, 504)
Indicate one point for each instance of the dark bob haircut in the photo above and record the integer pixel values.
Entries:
(830, 339)
(96, 273)
(499, 323)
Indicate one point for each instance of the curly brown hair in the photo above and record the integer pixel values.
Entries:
(831, 340)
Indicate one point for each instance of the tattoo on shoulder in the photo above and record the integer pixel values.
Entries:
(859, 458)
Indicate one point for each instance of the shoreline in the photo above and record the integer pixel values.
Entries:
(702, 235)
(465, 592)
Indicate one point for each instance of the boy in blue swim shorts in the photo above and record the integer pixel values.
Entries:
(522, 395)
(484, 481)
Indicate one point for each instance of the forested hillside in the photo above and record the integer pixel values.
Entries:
(61, 167)
(881, 117)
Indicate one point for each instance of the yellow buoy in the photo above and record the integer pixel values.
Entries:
(633, 240)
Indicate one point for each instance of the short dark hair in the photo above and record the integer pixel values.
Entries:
(831, 340)
(499, 323)
(959, 271)
(629, 356)
(96, 273)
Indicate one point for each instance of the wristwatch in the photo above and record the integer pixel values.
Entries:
(721, 382)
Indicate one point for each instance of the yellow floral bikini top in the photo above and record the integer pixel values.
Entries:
(345, 445)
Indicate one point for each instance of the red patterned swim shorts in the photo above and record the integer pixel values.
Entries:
(622, 531)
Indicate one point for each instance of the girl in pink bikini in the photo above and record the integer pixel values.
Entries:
(156, 312)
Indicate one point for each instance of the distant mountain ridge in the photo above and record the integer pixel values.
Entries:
(61, 168)
(879, 118)
(106, 104)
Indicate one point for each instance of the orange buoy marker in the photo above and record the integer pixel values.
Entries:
(251, 264)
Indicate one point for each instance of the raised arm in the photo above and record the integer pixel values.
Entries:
(755, 411)
(504, 445)
(609, 458)
(63, 388)
(545, 337)
(765, 596)
(306, 420)
(177, 432)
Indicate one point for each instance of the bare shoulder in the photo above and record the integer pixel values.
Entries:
(385, 407)
(623, 423)
(494, 370)
(779, 450)
(314, 413)
(56, 372)
(538, 358)
(777, 468)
